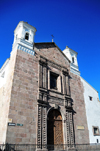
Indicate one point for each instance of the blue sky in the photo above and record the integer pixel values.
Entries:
(74, 23)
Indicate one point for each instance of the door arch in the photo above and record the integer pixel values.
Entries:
(54, 128)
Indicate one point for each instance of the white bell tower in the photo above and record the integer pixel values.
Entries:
(24, 37)
(72, 56)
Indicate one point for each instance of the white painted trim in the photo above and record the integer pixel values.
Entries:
(4, 65)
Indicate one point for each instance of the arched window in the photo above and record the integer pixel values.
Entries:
(27, 36)
(73, 60)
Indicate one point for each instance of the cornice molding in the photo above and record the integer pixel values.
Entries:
(27, 50)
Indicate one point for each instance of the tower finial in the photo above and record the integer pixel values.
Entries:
(52, 37)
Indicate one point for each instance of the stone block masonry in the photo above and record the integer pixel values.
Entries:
(23, 102)
(29, 97)
(77, 90)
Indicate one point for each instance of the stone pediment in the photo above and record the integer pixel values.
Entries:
(52, 52)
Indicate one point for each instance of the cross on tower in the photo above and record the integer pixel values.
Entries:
(52, 37)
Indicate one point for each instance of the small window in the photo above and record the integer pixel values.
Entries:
(72, 59)
(27, 36)
(95, 131)
(53, 80)
(97, 141)
(90, 98)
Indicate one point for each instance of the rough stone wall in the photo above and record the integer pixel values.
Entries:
(52, 53)
(77, 90)
(23, 104)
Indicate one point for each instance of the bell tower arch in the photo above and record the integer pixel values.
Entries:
(24, 37)
(72, 56)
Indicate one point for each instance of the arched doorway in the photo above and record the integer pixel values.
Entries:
(54, 128)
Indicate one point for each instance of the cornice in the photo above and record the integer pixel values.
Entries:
(25, 49)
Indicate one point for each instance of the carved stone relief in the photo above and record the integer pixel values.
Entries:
(47, 97)
(70, 132)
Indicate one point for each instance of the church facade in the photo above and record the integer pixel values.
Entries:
(41, 94)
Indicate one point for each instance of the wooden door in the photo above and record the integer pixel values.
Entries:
(54, 128)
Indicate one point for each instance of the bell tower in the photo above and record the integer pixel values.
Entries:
(24, 37)
(72, 56)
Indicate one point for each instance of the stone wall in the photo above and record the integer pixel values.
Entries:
(23, 91)
(23, 103)
(80, 120)
(52, 53)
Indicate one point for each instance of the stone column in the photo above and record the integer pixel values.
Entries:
(70, 132)
(40, 75)
(64, 84)
(71, 129)
(44, 128)
(67, 85)
(39, 141)
(67, 127)
(45, 77)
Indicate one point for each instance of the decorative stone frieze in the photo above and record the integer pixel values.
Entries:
(55, 100)
(54, 65)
